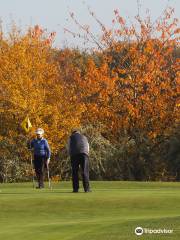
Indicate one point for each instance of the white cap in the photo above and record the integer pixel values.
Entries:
(39, 131)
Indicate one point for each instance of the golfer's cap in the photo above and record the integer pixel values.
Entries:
(39, 131)
(74, 130)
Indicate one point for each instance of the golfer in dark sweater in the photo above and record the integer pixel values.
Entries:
(78, 148)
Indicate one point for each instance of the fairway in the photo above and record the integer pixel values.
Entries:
(111, 211)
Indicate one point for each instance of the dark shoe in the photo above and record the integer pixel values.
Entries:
(86, 191)
(75, 191)
(40, 186)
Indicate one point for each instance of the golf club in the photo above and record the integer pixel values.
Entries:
(49, 180)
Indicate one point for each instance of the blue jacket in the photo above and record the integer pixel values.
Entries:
(40, 147)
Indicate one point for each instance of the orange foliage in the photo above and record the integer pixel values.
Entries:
(30, 84)
(130, 84)
(135, 88)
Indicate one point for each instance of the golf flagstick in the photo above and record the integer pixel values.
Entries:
(32, 170)
(26, 126)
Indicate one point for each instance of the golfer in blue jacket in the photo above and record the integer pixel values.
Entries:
(42, 154)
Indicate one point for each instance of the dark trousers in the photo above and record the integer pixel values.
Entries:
(39, 165)
(81, 160)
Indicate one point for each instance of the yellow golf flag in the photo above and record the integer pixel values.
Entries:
(26, 124)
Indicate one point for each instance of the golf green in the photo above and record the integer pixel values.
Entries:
(111, 211)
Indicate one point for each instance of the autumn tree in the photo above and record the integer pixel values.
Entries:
(134, 91)
(123, 94)
(31, 85)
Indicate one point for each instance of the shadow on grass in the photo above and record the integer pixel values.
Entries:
(39, 192)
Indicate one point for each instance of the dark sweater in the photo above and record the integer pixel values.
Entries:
(77, 144)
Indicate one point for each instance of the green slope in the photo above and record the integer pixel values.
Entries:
(111, 212)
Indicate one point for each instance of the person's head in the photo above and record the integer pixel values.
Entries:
(39, 133)
(75, 130)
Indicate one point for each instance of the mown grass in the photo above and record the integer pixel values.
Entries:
(111, 211)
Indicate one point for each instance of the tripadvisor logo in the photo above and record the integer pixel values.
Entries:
(139, 231)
